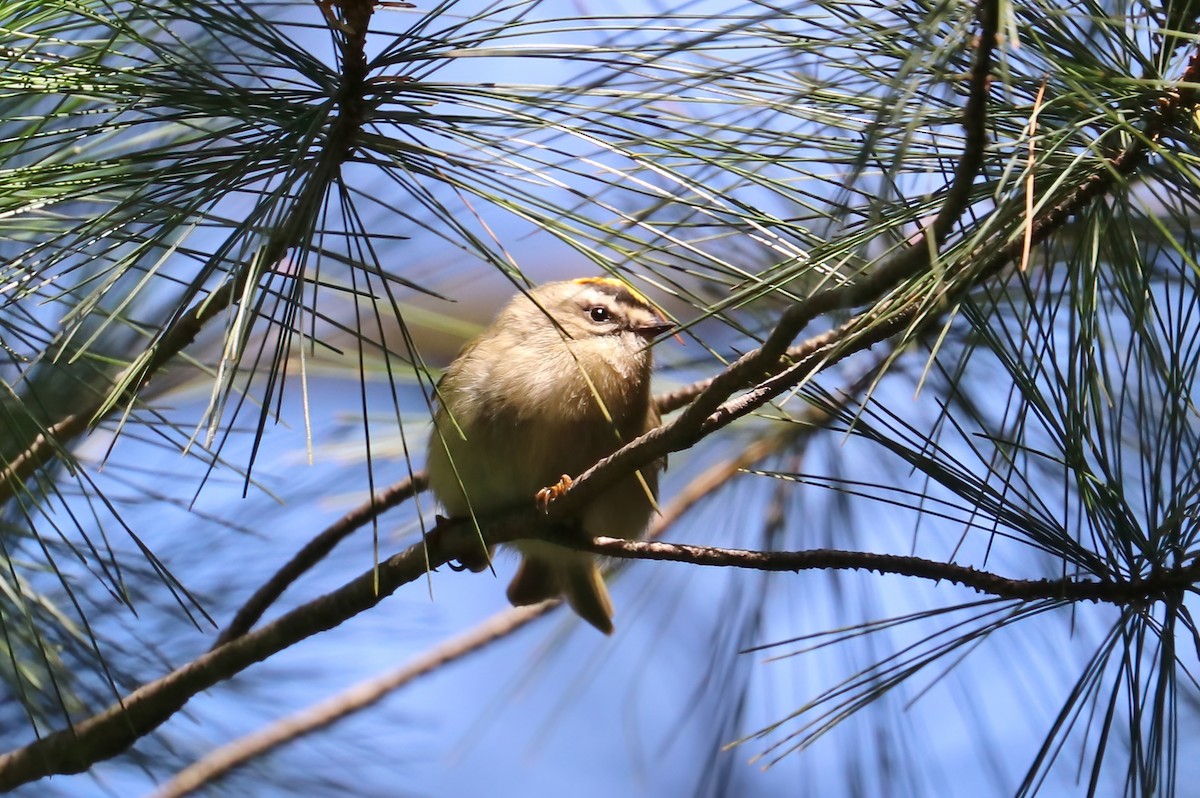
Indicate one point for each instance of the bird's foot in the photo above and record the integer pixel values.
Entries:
(547, 495)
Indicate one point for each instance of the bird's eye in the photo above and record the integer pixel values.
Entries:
(599, 314)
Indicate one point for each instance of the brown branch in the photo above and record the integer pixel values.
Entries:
(324, 542)
(705, 396)
(1160, 585)
(315, 550)
(111, 731)
(228, 757)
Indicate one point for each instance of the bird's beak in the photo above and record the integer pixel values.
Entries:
(653, 329)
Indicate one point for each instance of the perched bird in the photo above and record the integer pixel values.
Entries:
(559, 380)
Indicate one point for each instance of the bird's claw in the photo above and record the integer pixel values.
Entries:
(547, 495)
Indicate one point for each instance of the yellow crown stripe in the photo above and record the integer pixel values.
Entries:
(618, 285)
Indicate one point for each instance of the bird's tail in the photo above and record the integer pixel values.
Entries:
(575, 576)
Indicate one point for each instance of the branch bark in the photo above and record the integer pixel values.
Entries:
(315, 550)
(110, 732)
(229, 757)
(1158, 586)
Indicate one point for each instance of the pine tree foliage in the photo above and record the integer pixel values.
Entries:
(212, 212)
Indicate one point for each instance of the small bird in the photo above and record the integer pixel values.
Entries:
(559, 380)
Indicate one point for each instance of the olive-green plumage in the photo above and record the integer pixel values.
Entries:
(532, 399)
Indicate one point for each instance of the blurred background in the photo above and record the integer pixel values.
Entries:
(178, 180)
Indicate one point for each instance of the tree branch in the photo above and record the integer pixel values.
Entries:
(1159, 586)
(315, 550)
(324, 542)
(110, 732)
(229, 757)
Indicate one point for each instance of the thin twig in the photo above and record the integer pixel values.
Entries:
(909, 262)
(773, 356)
(1158, 586)
(228, 757)
(324, 542)
(315, 550)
